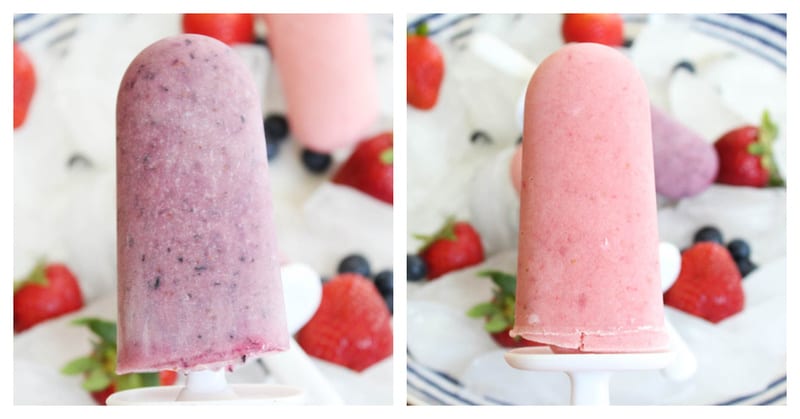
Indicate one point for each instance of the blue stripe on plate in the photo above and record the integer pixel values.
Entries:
(447, 384)
(741, 399)
(780, 30)
(775, 400)
(780, 63)
(724, 25)
(46, 25)
(23, 17)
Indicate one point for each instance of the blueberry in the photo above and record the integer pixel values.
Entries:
(355, 263)
(275, 127)
(389, 299)
(627, 43)
(684, 64)
(261, 40)
(519, 140)
(708, 234)
(316, 162)
(79, 159)
(415, 267)
(273, 147)
(384, 281)
(739, 249)
(745, 266)
(480, 136)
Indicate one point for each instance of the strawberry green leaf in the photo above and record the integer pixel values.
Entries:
(106, 330)
(483, 310)
(387, 156)
(421, 29)
(35, 277)
(129, 381)
(446, 232)
(496, 323)
(150, 379)
(98, 379)
(506, 282)
(767, 133)
(79, 365)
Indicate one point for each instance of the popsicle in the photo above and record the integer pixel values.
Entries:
(199, 286)
(685, 164)
(588, 273)
(327, 73)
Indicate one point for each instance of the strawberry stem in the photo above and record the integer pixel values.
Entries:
(387, 156)
(421, 29)
(37, 276)
(447, 232)
(767, 134)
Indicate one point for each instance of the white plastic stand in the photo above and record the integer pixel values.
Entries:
(588, 373)
(208, 387)
(302, 294)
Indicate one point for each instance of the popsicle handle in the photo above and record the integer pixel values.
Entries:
(589, 388)
(206, 385)
(685, 364)
(294, 367)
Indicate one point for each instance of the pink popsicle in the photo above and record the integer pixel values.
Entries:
(327, 72)
(198, 273)
(588, 245)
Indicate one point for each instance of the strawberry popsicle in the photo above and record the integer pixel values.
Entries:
(198, 273)
(328, 76)
(588, 244)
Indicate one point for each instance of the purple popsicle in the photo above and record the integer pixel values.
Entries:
(198, 272)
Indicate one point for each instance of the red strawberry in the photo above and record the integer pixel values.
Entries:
(48, 292)
(745, 156)
(24, 84)
(709, 285)
(98, 369)
(456, 245)
(603, 29)
(352, 326)
(424, 70)
(499, 312)
(228, 28)
(370, 168)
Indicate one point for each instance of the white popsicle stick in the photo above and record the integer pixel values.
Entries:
(302, 290)
(685, 364)
(588, 373)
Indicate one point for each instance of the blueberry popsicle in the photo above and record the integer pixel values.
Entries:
(327, 73)
(198, 272)
(685, 164)
(588, 242)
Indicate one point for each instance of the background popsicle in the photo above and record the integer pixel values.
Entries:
(327, 75)
(588, 246)
(199, 283)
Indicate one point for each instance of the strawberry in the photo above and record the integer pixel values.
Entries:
(456, 245)
(49, 291)
(370, 168)
(745, 156)
(424, 69)
(709, 284)
(603, 29)
(228, 28)
(499, 312)
(98, 368)
(352, 326)
(24, 85)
